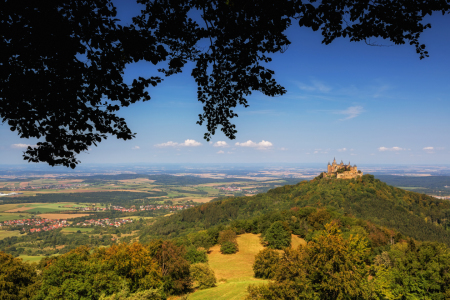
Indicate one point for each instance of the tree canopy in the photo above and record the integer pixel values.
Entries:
(63, 61)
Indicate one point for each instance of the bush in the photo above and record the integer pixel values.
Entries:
(266, 262)
(194, 255)
(277, 236)
(227, 236)
(228, 248)
(203, 275)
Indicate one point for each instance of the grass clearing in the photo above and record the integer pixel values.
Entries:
(6, 233)
(42, 207)
(62, 216)
(297, 241)
(31, 259)
(236, 269)
(17, 216)
(73, 230)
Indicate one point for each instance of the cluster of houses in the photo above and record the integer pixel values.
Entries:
(92, 208)
(171, 207)
(45, 187)
(230, 189)
(105, 222)
(47, 228)
(47, 224)
(133, 209)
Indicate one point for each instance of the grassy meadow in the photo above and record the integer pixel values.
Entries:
(73, 230)
(6, 233)
(13, 216)
(233, 272)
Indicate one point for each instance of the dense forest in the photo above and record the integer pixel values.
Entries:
(417, 215)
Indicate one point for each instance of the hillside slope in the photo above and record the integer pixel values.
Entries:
(416, 215)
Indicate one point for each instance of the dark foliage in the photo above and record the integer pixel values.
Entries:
(278, 236)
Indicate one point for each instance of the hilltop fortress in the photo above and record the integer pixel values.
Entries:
(342, 171)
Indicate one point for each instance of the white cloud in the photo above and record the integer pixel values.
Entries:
(21, 146)
(428, 148)
(283, 149)
(220, 152)
(342, 150)
(136, 148)
(186, 143)
(261, 145)
(220, 144)
(190, 143)
(168, 144)
(391, 149)
(351, 112)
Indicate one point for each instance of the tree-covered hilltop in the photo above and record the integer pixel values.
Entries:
(416, 215)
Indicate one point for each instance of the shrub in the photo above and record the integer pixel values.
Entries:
(203, 275)
(227, 236)
(277, 236)
(266, 262)
(194, 255)
(228, 248)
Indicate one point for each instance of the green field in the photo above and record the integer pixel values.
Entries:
(13, 216)
(5, 233)
(39, 207)
(31, 259)
(72, 229)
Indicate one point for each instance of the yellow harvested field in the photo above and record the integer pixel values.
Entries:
(62, 216)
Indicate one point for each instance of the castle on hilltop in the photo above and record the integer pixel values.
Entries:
(342, 171)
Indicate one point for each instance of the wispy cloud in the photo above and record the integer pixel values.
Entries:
(220, 152)
(342, 150)
(261, 145)
(21, 146)
(314, 86)
(391, 149)
(429, 150)
(351, 112)
(186, 143)
(220, 144)
(136, 148)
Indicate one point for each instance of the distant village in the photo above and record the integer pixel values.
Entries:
(133, 208)
(45, 224)
(44, 187)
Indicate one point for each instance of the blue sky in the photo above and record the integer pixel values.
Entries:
(351, 101)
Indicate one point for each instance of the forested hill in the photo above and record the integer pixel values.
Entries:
(416, 215)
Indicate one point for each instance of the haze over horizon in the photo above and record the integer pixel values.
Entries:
(358, 103)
